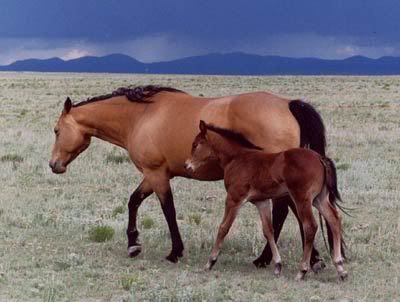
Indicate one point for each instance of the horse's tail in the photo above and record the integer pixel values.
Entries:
(312, 129)
(334, 195)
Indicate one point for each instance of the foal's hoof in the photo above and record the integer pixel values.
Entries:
(278, 269)
(343, 276)
(261, 262)
(300, 276)
(210, 264)
(318, 266)
(134, 250)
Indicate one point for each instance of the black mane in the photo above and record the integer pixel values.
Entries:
(233, 135)
(139, 94)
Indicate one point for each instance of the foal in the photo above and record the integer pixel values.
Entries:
(255, 176)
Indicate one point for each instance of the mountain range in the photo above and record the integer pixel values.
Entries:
(216, 64)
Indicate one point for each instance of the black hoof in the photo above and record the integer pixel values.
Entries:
(261, 262)
(134, 250)
(343, 276)
(318, 266)
(174, 256)
(278, 269)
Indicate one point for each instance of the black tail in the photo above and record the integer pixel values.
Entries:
(312, 129)
(334, 196)
(312, 135)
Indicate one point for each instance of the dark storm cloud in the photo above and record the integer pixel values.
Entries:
(106, 19)
(193, 27)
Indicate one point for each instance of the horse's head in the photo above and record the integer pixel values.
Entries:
(71, 140)
(202, 151)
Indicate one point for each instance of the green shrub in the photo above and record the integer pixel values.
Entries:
(117, 158)
(343, 166)
(14, 158)
(118, 210)
(195, 218)
(101, 233)
(147, 222)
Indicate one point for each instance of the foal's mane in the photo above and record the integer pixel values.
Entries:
(139, 94)
(233, 135)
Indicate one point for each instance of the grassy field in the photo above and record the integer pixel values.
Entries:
(47, 251)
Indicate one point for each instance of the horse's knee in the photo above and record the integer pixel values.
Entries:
(310, 229)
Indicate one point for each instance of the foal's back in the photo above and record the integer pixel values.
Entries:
(257, 175)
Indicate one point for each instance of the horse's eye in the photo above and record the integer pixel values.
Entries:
(56, 132)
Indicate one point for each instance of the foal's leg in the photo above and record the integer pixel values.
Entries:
(159, 181)
(316, 263)
(310, 226)
(140, 194)
(279, 213)
(231, 210)
(332, 218)
(265, 210)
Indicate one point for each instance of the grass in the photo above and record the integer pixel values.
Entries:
(46, 253)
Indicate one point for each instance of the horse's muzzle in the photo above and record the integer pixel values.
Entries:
(57, 167)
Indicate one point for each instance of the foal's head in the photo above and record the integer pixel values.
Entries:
(202, 152)
(71, 140)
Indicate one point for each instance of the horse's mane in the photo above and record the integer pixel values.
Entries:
(233, 135)
(139, 94)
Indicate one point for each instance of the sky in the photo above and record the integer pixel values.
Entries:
(169, 29)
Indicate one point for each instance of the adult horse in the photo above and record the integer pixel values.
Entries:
(157, 125)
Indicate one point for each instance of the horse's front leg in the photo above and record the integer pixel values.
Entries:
(140, 194)
(160, 183)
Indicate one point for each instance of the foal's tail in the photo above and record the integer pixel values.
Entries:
(334, 195)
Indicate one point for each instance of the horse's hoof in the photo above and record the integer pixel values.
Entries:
(278, 269)
(343, 275)
(134, 250)
(318, 266)
(172, 258)
(261, 262)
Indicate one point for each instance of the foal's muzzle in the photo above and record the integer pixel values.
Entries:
(189, 165)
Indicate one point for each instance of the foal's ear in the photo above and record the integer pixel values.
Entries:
(67, 105)
(203, 127)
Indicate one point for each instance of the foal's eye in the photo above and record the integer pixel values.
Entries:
(56, 132)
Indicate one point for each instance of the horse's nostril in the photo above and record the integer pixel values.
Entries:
(51, 164)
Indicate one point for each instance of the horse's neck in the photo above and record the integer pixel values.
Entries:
(108, 120)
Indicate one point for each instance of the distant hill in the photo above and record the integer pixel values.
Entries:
(216, 64)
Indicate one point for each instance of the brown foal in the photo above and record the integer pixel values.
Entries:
(255, 176)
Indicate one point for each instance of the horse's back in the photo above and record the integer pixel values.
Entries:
(264, 118)
(169, 126)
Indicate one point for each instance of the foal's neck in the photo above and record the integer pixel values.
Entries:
(226, 149)
(110, 120)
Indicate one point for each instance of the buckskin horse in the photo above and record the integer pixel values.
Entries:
(251, 175)
(157, 125)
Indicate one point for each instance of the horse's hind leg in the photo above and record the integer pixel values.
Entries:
(231, 210)
(332, 217)
(140, 194)
(310, 226)
(265, 210)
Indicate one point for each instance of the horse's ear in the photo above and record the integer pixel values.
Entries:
(203, 127)
(67, 105)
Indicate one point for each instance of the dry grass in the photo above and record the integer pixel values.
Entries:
(45, 249)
